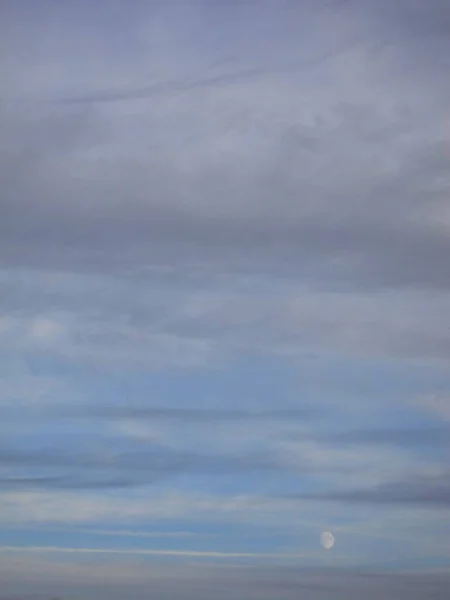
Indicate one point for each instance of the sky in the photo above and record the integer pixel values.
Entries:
(224, 299)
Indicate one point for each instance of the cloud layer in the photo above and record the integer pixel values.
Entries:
(224, 293)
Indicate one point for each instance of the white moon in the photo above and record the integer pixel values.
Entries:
(327, 540)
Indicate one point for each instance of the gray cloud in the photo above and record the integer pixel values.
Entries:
(427, 491)
(337, 196)
(202, 415)
(277, 205)
(329, 169)
(110, 468)
(179, 188)
(69, 482)
(192, 321)
(409, 438)
(372, 248)
(195, 581)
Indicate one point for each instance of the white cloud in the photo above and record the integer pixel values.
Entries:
(438, 404)
(46, 330)
(61, 507)
(151, 552)
(341, 468)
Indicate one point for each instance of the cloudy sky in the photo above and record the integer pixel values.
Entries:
(224, 299)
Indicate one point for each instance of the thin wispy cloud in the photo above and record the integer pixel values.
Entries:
(150, 552)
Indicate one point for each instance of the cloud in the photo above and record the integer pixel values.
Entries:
(320, 184)
(138, 534)
(114, 469)
(150, 552)
(194, 580)
(437, 404)
(138, 460)
(328, 197)
(215, 249)
(154, 324)
(72, 507)
(202, 415)
(431, 490)
(409, 438)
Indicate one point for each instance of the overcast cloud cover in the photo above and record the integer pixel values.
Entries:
(224, 298)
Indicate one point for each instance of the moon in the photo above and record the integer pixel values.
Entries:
(327, 540)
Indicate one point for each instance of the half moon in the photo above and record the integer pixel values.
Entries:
(327, 540)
